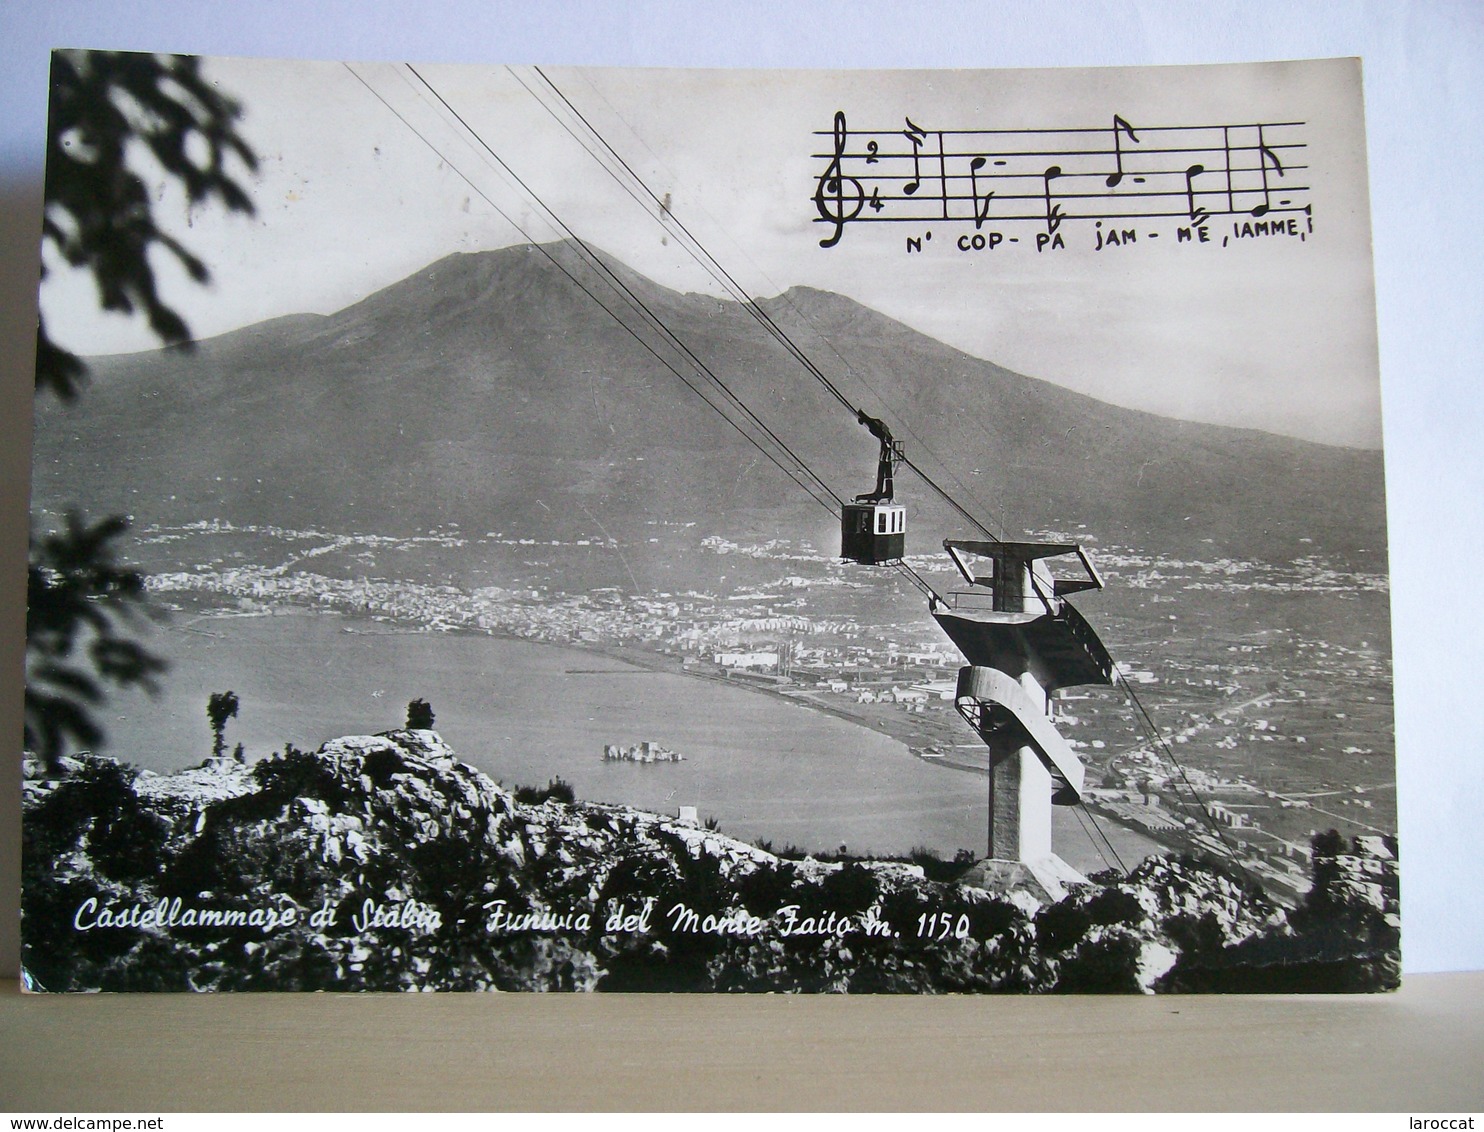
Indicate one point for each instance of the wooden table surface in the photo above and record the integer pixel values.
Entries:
(1419, 1050)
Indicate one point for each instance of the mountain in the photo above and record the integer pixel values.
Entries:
(489, 391)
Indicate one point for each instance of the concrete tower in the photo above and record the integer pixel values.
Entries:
(1023, 640)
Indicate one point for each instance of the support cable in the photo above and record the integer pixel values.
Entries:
(924, 587)
(782, 294)
(1093, 819)
(1082, 821)
(1158, 737)
(698, 251)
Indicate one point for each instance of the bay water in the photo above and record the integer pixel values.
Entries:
(524, 712)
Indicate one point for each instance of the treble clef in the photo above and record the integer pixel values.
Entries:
(835, 204)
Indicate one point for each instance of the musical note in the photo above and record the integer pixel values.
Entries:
(1196, 215)
(1054, 213)
(1264, 155)
(830, 195)
(981, 209)
(916, 135)
(1119, 124)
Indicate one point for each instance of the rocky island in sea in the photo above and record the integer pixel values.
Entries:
(645, 752)
(383, 862)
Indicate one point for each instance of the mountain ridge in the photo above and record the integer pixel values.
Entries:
(492, 370)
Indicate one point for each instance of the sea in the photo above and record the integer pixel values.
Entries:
(762, 766)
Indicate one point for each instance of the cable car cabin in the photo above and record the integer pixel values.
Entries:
(873, 534)
(873, 529)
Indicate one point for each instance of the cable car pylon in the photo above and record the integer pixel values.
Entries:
(1023, 641)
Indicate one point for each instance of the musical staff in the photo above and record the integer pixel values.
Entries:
(1133, 172)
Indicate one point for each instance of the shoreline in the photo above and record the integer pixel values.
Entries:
(639, 658)
(645, 660)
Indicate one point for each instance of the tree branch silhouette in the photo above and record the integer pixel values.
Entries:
(107, 111)
(118, 125)
(81, 608)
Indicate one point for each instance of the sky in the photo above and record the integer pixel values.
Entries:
(365, 177)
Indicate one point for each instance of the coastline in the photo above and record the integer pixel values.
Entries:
(906, 732)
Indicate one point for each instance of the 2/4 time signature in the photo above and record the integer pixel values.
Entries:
(1123, 171)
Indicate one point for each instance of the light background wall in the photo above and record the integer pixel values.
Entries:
(1423, 67)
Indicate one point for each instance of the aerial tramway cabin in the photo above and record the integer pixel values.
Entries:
(873, 534)
(873, 529)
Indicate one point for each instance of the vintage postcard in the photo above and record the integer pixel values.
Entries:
(532, 528)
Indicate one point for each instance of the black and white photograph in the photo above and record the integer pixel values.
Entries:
(550, 528)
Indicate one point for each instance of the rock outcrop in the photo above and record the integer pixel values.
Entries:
(385, 863)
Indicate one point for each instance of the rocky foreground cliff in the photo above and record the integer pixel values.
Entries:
(384, 863)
